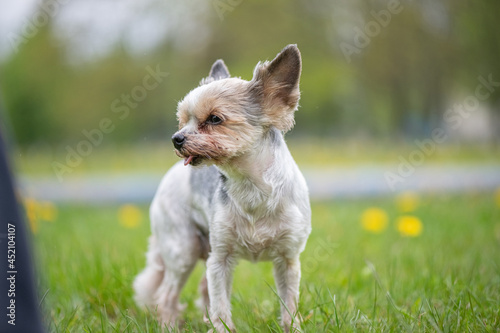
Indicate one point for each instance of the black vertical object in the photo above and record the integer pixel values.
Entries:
(19, 310)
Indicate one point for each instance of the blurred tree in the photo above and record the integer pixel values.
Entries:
(31, 81)
(398, 83)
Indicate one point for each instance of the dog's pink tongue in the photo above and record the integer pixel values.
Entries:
(188, 160)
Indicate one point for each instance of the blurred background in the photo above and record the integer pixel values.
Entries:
(398, 135)
(92, 86)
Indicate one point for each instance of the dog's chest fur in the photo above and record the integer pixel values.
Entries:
(258, 220)
(257, 227)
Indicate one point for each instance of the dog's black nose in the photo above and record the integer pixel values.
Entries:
(178, 140)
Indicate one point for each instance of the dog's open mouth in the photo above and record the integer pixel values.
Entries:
(189, 159)
(193, 160)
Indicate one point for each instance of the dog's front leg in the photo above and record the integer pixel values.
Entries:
(220, 265)
(287, 278)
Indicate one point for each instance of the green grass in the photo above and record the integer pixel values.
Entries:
(445, 280)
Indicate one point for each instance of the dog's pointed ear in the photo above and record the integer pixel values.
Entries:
(276, 84)
(219, 70)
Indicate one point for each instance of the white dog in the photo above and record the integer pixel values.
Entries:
(238, 194)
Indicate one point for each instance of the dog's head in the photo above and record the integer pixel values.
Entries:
(225, 117)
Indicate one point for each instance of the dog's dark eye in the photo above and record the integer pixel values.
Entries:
(213, 120)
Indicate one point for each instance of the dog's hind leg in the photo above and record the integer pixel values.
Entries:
(179, 264)
(180, 248)
(147, 282)
(177, 241)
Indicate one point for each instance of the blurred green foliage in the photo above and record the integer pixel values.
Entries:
(399, 84)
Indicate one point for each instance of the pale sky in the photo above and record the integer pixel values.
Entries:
(92, 27)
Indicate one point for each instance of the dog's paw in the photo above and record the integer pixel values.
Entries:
(294, 327)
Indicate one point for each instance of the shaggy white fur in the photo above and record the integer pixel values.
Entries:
(241, 194)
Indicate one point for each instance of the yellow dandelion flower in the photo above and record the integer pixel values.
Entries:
(130, 216)
(47, 211)
(31, 207)
(374, 220)
(497, 197)
(34, 224)
(407, 202)
(410, 226)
